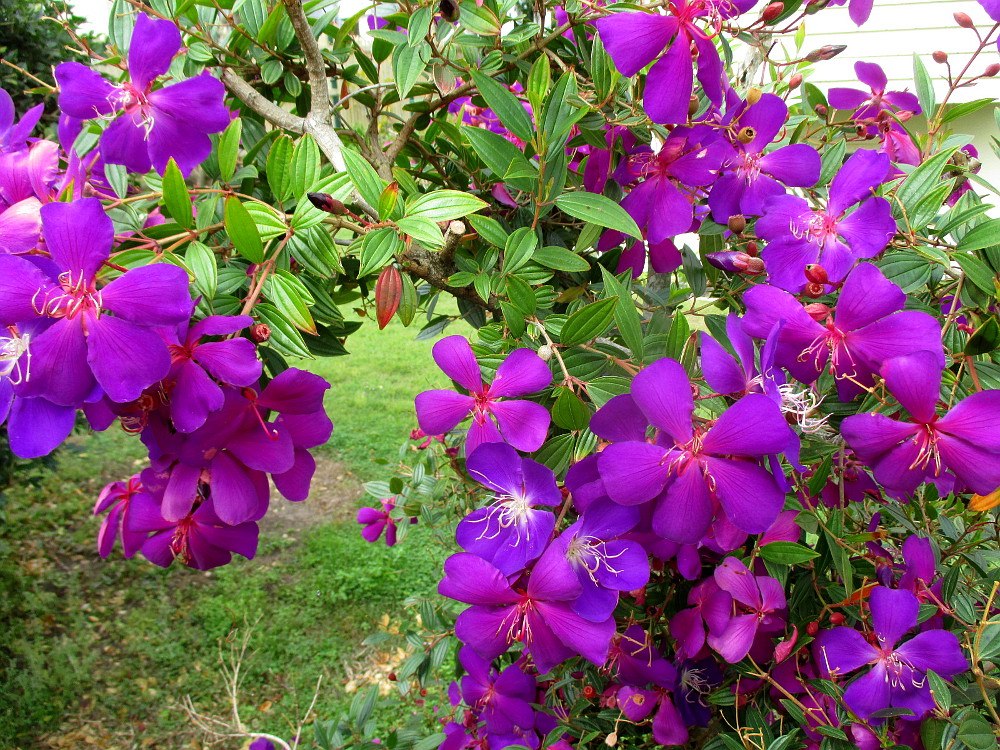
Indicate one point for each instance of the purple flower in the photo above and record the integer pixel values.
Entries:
(537, 612)
(148, 127)
(668, 726)
(859, 10)
(868, 104)
(118, 496)
(199, 540)
(799, 236)
(500, 699)
(510, 532)
(102, 335)
(635, 661)
(759, 602)
(749, 177)
(867, 327)
(20, 226)
(636, 39)
(522, 424)
(725, 375)
(696, 467)
(905, 453)
(375, 521)
(898, 677)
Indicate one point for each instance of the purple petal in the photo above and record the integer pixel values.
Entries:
(636, 704)
(180, 492)
(482, 431)
(509, 544)
(83, 93)
(866, 296)
(975, 466)
(234, 494)
(125, 142)
(767, 116)
(974, 420)
(198, 103)
(663, 392)
(175, 138)
(633, 472)
(684, 512)
(782, 212)
(897, 335)
(935, 649)
(294, 391)
(753, 426)
(620, 420)
(869, 229)
(546, 648)
(523, 424)
(233, 361)
(915, 381)
(872, 435)
(869, 693)
(36, 426)
(294, 483)
(668, 85)
(785, 261)
(454, 355)
(671, 214)
(521, 373)
(79, 236)
(470, 579)
(797, 165)
(153, 46)
(861, 173)
(553, 578)
(747, 492)
(58, 365)
(589, 639)
(218, 325)
(859, 10)
(265, 447)
(194, 395)
(485, 629)
(710, 73)
(664, 257)
(149, 295)
(735, 641)
(633, 40)
(20, 226)
(894, 612)
(871, 75)
(125, 358)
(842, 650)
(23, 290)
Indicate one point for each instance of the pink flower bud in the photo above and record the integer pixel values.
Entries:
(940, 57)
(964, 20)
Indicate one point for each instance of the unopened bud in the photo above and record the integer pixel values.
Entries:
(795, 81)
(693, 105)
(752, 250)
(260, 332)
(812, 628)
(827, 52)
(545, 352)
(837, 618)
(940, 57)
(964, 20)
(456, 227)
(772, 11)
(818, 311)
(392, 676)
(746, 135)
(816, 273)
(326, 202)
(904, 115)
(813, 290)
(590, 692)
(754, 95)
(755, 266)
(737, 223)
(991, 70)
(449, 10)
(611, 740)
(821, 110)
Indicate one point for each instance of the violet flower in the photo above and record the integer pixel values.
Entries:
(695, 467)
(538, 614)
(20, 226)
(500, 699)
(118, 496)
(898, 678)
(868, 327)
(101, 335)
(759, 603)
(510, 532)
(725, 375)
(868, 104)
(522, 424)
(633, 40)
(905, 453)
(799, 236)
(635, 661)
(148, 128)
(668, 726)
(376, 521)
(749, 177)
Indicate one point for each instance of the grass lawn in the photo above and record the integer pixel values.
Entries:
(100, 654)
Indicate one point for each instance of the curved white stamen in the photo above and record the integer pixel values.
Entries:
(11, 350)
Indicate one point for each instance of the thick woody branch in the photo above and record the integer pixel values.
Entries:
(315, 64)
(261, 104)
(433, 268)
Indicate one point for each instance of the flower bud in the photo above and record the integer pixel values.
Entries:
(813, 290)
(818, 311)
(752, 250)
(545, 352)
(693, 105)
(772, 11)
(746, 135)
(449, 10)
(754, 95)
(755, 266)
(821, 110)
(611, 740)
(826, 52)
(795, 81)
(260, 332)
(861, 130)
(816, 273)
(812, 628)
(903, 115)
(590, 692)
(392, 677)
(737, 223)
(991, 70)
(964, 20)
(326, 202)
(837, 618)
(940, 57)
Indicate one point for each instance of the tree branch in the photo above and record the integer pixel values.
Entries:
(260, 104)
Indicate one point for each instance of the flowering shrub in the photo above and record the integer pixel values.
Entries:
(740, 495)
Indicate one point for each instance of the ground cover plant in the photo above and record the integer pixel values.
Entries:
(718, 467)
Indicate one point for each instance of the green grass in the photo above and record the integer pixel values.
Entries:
(101, 653)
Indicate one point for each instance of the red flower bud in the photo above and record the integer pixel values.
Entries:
(753, 95)
(821, 110)
(964, 20)
(260, 332)
(326, 202)
(449, 10)
(813, 290)
(812, 628)
(940, 57)
(772, 11)
(991, 70)
(826, 52)
(755, 266)
(737, 223)
(816, 273)
(818, 311)
(752, 250)
(590, 692)
(904, 115)
(388, 293)
(693, 105)
(795, 81)
(837, 618)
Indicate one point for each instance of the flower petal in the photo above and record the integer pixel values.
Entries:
(894, 612)
(149, 295)
(753, 426)
(454, 355)
(635, 39)
(842, 650)
(125, 358)
(748, 493)
(523, 424)
(79, 236)
(869, 693)
(668, 85)
(935, 649)
(153, 46)
(663, 392)
(521, 373)
(684, 512)
(633, 472)
(83, 93)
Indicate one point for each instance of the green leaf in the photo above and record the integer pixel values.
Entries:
(925, 87)
(560, 259)
(975, 270)
(422, 229)
(604, 389)
(906, 269)
(229, 149)
(520, 294)
(279, 166)
(201, 260)
(985, 235)
(787, 553)
(408, 65)
(989, 641)
(599, 210)
(117, 177)
(514, 319)
(921, 181)
(965, 108)
(569, 412)
(285, 339)
(243, 231)
(408, 301)
(588, 322)
(269, 224)
(285, 292)
(315, 249)
(480, 20)
(539, 80)
(506, 106)
(444, 205)
(489, 229)
(176, 197)
(502, 157)
(364, 176)
(377, 249)
(626, 314)
(677, 336)
(556, 453)
(419, 24)
(518, 249)
(305, 166)
(986, 339)
(976, 733)
(831, 160)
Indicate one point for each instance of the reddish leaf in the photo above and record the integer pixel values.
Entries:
(388, 292)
